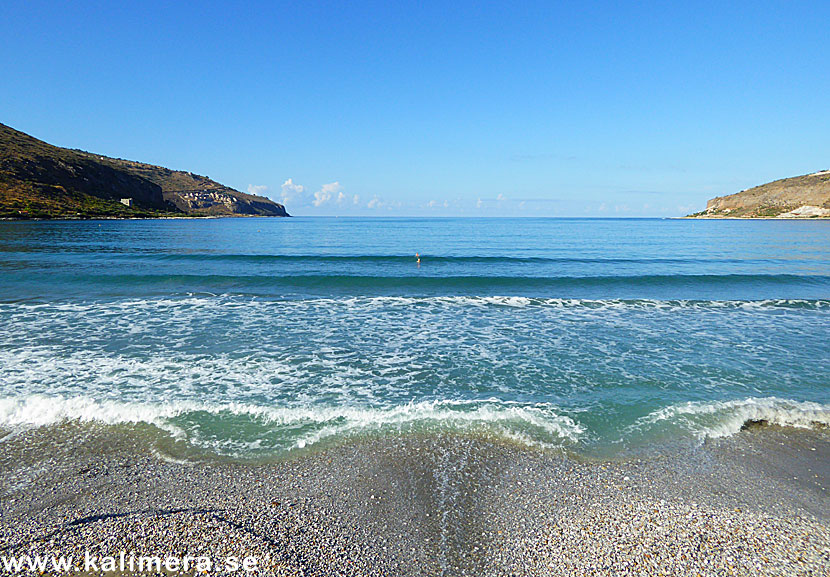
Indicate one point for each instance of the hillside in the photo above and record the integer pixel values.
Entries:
(805, 196)
(38, 180)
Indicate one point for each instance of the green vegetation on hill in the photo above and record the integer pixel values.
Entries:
(38, 180)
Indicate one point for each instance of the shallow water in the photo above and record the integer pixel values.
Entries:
(254, 337)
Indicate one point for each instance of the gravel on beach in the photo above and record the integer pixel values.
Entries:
(450, 505)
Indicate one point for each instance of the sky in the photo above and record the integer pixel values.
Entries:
(434, 108)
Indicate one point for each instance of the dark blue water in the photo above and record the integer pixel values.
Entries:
(260, 336)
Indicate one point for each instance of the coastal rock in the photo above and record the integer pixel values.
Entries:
(751, 424)
(806, 196)
(39, 180)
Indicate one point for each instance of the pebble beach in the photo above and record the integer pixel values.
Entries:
(413, 505)
(526, 397)
(478, 338)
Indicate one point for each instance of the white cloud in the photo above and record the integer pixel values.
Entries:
(326, 193)
(292, 193)
(321, 197)
(297, 195)
(258, 189)
(332, 197)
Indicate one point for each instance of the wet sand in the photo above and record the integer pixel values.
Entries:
(756, 503)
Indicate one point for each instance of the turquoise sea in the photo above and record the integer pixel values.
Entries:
(257, 338)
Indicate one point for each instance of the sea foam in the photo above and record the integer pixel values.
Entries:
(537, 424)
(712, 419)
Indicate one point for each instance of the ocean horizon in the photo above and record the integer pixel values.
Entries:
(256, 338)
(415, 290)
(411, 396)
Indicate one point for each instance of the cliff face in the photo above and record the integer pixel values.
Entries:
(195, 194)
(805, 196)
(41, 180)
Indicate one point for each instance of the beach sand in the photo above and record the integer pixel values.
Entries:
(753, 504)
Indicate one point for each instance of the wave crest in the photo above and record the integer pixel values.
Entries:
(712, 419)
(235, 428)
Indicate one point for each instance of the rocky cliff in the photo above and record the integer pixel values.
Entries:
(805, 196)
(38, 180)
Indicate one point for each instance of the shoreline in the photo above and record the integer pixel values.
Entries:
(755, 503)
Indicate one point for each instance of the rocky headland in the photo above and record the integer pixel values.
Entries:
(806, 196)
(39, 180)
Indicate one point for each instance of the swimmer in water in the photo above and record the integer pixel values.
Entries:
(418, 257)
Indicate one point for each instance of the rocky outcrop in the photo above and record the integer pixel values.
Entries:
(805, 196)
(195, 194)
(39, 180)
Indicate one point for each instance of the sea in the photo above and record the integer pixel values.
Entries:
(261, 338)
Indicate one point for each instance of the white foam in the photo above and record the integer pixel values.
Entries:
(40, 410)
(504, 417)
(194, 304)
(547, 426)
(725, 418)
(323, 367)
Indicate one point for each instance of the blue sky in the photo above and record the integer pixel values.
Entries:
(434, 108)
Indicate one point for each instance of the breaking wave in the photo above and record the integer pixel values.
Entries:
(242, 429)
(712, 419)
(231, 299)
